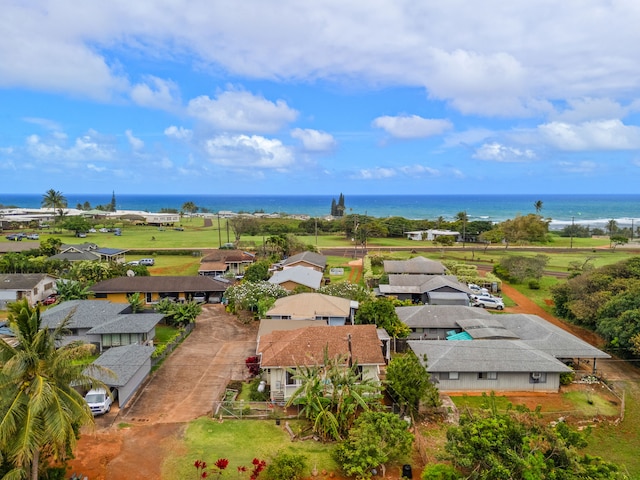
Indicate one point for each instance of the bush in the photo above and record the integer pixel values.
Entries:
(440, 471)
(567, 377)
(254, 394)
(285, 466)
(534, 285)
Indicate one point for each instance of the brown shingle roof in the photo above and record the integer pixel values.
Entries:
(305, 346)
(197, 283)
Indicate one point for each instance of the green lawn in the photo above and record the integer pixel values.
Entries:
(240, 441)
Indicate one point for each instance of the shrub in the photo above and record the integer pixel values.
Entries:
(440, 471)
(567, 377)
(534, 285)
(253, 364)
(286, 466)
(254, 394)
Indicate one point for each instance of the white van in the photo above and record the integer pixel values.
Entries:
(100, 400)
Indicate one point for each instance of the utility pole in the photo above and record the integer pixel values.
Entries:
(219, 233)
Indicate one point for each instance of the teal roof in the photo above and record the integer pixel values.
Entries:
(460, 336)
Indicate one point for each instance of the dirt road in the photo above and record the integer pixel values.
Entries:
(183, 389)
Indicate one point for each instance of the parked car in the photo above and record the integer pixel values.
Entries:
(81, 235)
(14, 237)
(147, 262)
(227, 246)
(488, 302)
(133, 263)
(199, 297)
(51, 299)
(104, 230)
(100, 400)
(33, 236)
(92, 230)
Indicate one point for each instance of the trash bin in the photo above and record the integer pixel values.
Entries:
(406, 471)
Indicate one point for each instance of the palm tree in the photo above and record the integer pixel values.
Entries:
(612, 226)
(54, 200)
(40, 410)
(538, 206)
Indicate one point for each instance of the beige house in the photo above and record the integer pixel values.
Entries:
(312, 260)
(414, 266)
(328, 309)
(35, 287)
(291, 278)
(283, 352)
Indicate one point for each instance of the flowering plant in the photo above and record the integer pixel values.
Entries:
(222, 463)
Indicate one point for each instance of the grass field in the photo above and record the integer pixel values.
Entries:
(240, 442)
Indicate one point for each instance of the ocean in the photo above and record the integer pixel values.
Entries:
(591, 210)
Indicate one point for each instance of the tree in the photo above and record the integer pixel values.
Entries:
(189, 207)
(136, 302)
(612, 227)
(382, 313)
(77, 224)
(242, 224)
(375, 439)
(50, 246)
(54, 200)
(519, 268)
(538, 206)
(520, 446)
(72, 290)
(616, 240)
(352, 291)
(408, 383)
(257, 271)
(332, 394)
(179, 313)
(112, 205)
(527, 228)
(40, 409)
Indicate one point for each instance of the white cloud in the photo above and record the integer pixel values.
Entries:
(95, 168)
(583, 167)
(239, 111)
(135, 143)
(90, 146)
(314, 140)
(584, 109)
(179, 133)
(501, 153)
(243, 151)
(594, 135)
(377, 173)
(412, 126)
(156, 93)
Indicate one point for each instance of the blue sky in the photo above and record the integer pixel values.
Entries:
(289, 97)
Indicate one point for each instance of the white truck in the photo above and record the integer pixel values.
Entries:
(100, 400)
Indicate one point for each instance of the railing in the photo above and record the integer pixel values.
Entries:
(240, 409)
(170, 347)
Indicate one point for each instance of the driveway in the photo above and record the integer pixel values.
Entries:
(197, 372)
(133, 442)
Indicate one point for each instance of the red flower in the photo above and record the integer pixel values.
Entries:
(255, 461)
(197, 463)
(222, 463)
(242, 469)
(204, 475)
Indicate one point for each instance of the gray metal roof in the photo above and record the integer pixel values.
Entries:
(22, 281)
(302, 275)
(309, 257)
(415, 265)
(485, 328)
(124, 362)
(438, 316)
(129, 323)
(73, 256)
(549, 338)
(84, 313)
(485, 356)
(110, 251)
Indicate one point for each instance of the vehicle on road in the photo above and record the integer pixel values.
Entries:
(100, 400)
(147, 262)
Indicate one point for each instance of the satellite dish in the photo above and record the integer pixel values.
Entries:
(131, 273)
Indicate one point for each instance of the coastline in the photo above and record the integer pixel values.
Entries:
(586, 210)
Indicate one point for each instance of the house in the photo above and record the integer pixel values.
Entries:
(130, 364)
(223, 262)
(312, 260)
(512, 352)
(35, 287)
(414, 266)
(281, 352)
(155, 288)
(416, 235)
(483, 366)
(91, 252)
(432, 234)
(431, 289)
(327, 309)
(101, 323)
(436, 322)
(298, 276)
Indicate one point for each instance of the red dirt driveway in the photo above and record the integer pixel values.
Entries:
(132, 443)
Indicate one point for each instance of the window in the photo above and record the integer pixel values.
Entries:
(537, 377)
(488, 376)
(99, 295)
(289, 378)
(449, 376)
